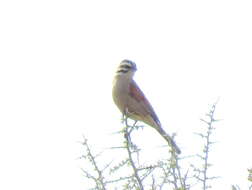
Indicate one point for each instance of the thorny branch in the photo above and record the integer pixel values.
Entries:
(179, 180)
(100, 184)
(159, 176)
(129, 146)
(203, 173)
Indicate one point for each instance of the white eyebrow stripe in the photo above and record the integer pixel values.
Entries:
(126, 64)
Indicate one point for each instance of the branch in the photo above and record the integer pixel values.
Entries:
(176, 172)
(205, 157)
(129, 145)
(100, 180)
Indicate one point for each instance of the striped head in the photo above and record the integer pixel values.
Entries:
(126, 67)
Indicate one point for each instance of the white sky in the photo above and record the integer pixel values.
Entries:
(57, 60)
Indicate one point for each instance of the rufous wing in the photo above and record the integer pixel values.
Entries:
(141, 104)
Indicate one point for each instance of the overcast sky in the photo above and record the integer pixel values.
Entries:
(57, 60)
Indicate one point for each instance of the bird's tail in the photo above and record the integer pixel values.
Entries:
(169, 139)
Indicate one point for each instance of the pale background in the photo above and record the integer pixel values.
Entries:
(57, 60)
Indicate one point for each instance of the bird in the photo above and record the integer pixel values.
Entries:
(132, 102)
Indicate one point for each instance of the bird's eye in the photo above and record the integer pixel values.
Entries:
(122, 71)
(126, 66)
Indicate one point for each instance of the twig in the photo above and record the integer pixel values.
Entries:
(207, 147)
(128, 131)
(100, 180)
(176, 172)
(202, 173)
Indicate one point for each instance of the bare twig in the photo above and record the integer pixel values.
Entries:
(202, 175)
(177, 173)
(100, 184)
(235, 187)
(129, 145)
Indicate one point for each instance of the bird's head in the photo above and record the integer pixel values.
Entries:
(126, 68)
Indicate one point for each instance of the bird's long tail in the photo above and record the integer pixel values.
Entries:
(169, 139)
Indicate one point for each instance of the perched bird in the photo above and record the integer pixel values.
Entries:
(132, 102)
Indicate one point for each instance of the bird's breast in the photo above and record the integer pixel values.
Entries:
(120, 93)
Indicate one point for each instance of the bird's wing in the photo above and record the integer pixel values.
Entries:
(140, 103)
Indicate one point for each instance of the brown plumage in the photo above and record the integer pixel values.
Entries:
(132, 102)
